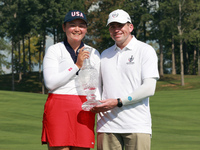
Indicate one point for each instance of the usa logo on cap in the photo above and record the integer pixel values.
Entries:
(77, 13)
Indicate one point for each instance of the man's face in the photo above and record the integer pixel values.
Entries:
(120, 33)
(75, 30)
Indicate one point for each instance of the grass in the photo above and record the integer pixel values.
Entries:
(21, 120)
(176, 120)
(175, 117)
(175, 114)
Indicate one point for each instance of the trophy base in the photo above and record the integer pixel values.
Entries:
(90, 104)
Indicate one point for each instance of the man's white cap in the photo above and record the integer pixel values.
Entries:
(119, 16)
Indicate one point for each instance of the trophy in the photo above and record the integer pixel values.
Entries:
(88, 77)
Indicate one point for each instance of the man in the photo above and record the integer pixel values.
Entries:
(129, 75)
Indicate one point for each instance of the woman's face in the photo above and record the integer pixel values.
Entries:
(75, 30)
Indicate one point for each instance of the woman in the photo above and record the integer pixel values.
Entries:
(65, 125)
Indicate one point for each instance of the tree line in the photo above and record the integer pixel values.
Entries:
(172, 27)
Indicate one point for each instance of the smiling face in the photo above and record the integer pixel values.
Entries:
(121, 33)
(75, 30)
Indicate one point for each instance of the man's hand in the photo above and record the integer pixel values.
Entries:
(105, 106)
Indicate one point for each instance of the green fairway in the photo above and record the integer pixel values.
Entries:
(175, 114)
(21, 120)
(176, 120)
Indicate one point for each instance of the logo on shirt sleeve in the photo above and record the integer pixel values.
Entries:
(130, 98)
(70, 69)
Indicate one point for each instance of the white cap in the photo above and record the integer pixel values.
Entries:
(119, 16)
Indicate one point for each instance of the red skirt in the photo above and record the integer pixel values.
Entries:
(66, 124)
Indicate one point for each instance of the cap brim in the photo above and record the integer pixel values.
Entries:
(117, 20)
(75, 19)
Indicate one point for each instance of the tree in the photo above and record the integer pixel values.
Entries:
(186, 17)
(168, 26)
(8, 22)
(26, 23)
(164, 31)
(98, 35)
(4, 47)
(139, 12)
(141, 15)
(192, 34)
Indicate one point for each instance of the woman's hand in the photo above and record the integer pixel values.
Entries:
(81, 56)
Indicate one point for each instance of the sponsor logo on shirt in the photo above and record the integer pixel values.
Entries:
(130, 60)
